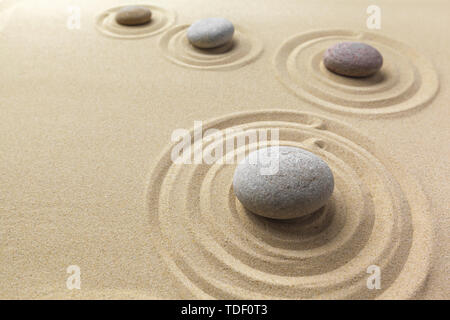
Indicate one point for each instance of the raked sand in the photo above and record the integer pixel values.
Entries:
(87, 179)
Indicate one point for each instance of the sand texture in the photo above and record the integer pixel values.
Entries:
(87, 179)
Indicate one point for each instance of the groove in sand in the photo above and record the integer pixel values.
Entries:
(241, 51)
(406, 81)
(161, 20)
(217, 249)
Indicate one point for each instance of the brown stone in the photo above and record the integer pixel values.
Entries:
(353, 59)
(133, 15)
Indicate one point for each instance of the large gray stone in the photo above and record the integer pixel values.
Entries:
(210, 32)
(302, 184)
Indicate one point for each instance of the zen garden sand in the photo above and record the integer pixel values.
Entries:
(90, 105)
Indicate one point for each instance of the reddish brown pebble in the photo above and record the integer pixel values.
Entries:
(353, 59)
(133, 15)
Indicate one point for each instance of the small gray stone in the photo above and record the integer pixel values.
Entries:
(210, 32)
(133, 15)
(353, 59)
(302, 184)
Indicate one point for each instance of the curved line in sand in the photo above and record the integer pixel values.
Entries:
(406, 81)
(215, 248)
(241, 51)
(161, 20)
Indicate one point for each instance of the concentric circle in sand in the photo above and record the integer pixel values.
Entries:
(406, 81)
(217, 249)
(242, 50)
(161, 20)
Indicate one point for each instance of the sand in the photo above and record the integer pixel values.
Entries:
(86, 176)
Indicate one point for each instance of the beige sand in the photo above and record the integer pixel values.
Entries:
(86, 177)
